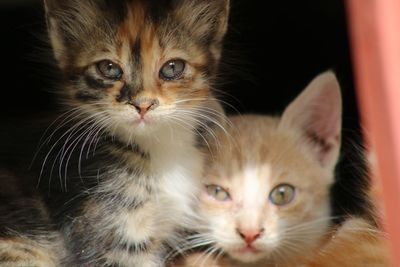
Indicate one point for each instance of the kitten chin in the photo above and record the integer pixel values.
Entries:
(271, 184)
(266, 199)
(119, 170)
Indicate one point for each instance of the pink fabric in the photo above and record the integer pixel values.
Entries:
(375, 33)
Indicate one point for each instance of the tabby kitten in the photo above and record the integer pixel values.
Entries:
(120, 170)
(267, 200)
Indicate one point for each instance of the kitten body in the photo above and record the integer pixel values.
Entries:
(120, 171)
(27, 236)
(267, 200)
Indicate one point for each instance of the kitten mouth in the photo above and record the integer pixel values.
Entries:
(142, 121)
(249, 249)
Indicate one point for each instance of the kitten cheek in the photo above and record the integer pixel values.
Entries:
(213, 206)
(207, 200)
(119, 92)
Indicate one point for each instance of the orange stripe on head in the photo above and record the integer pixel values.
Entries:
(133, 25)
(151, 54)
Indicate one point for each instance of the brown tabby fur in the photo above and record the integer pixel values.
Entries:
(118, 185)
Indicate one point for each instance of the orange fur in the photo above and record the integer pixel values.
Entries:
(355, 244)
(137, 83)
(299, 149)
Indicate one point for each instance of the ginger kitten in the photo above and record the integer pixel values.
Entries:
(266, 200)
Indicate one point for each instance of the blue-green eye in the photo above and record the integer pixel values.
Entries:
(172, 70)
(218, 193)
(282, 194)
(109, 70)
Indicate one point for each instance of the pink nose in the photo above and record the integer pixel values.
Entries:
(143, 105)
(143, 108)
(249, 236)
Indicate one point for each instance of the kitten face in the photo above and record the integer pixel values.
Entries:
(138, 65)
(266, 195)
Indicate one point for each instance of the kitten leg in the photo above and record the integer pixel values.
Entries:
(356, 244)
(199, 260)
(149, 259)
(22, 252)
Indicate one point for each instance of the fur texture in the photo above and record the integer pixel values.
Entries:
(119, 170)
(356, 243)
(267, 198)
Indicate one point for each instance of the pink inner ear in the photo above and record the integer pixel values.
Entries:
(321, 146)
(323, 125)
(316, 112)
(327, 109)
(324, 115)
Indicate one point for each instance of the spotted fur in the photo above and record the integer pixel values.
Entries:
(119, 170)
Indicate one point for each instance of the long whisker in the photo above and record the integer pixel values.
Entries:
(209, 116)
(77, 115)
(204, 113)
(185, 124)
(204, 126)
(192, 242)
(94, 130)
(42, 142)
(209, 252)
(69, 149)
(98, 134)
(191, 116)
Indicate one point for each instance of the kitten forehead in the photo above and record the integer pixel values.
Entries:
(255, 184)
(260, 157)
(79, 28)
(257, 149)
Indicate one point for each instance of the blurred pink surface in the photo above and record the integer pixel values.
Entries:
(375, 34)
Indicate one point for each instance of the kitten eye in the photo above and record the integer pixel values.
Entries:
(172, 70)
(282, 194)
(109, 70)
(218, 192)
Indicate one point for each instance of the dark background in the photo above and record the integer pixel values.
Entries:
(273, 49)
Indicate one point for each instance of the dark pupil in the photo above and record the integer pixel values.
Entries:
(172, 66)
(172, 70)
(111, 70)
(110, 67)
(282, 192)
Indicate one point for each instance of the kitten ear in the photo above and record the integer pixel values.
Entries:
(207, 19)
(52, 28)
(316, 115)
(220, 28)
(67, 21)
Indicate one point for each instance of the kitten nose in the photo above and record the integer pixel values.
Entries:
(249, 236)
(143, 105)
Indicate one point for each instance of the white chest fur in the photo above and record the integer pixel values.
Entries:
(175, 169)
